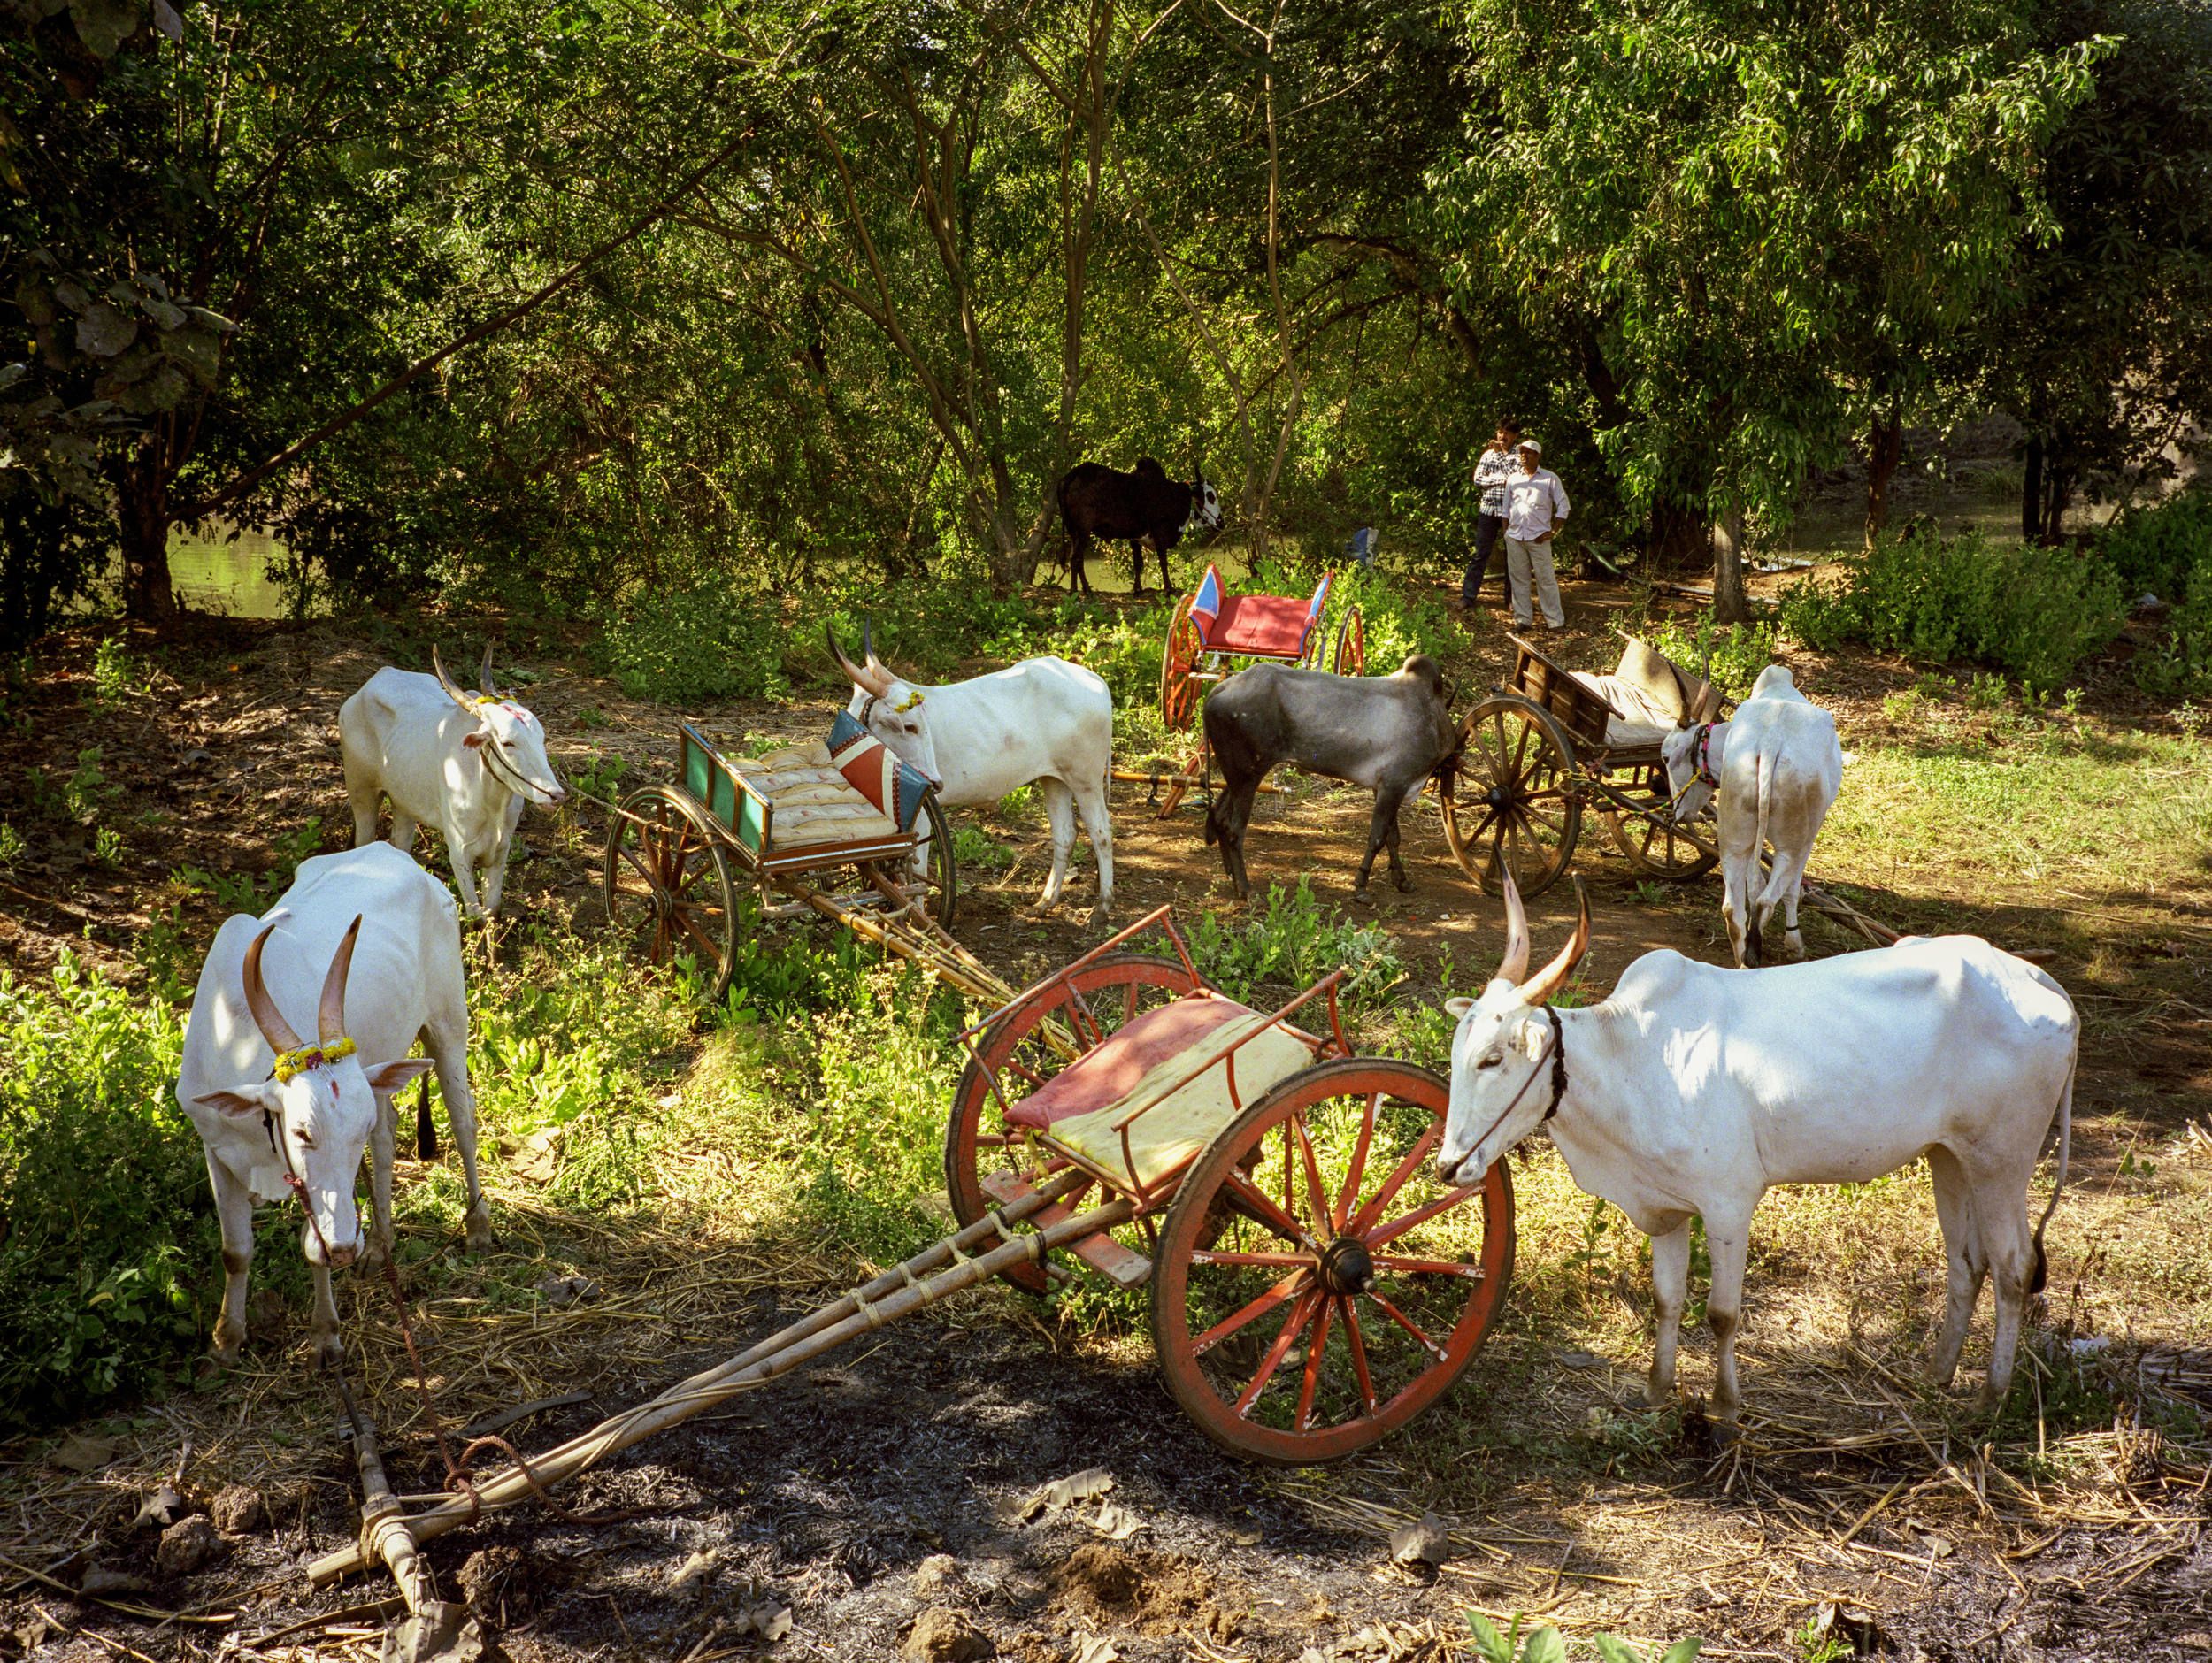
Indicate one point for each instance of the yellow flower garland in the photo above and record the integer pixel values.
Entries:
(291, 1062)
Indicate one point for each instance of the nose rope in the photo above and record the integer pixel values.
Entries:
(1702, 775)
(1555, 1048)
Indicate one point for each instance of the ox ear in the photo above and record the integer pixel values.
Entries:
(1459, 1007)
(392, 1076)
(475, 738)
(246, 1102)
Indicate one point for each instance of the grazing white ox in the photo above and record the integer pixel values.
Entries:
(1778, 767)
(463, 762)
(364, 952)
(1694, 1089)
(1042, 721)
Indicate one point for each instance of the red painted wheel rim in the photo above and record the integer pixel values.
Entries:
(1113, 989)
(1262, 1339)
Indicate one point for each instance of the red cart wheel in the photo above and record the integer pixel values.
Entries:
(1098, 1001)
(1351, 644)
(1512, 804)
(1316, 1285)
(667, 884)
(1178, 668)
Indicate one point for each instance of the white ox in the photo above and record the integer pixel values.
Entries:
(364, 946)
(463, 762)
(1694, 1089)
(1042, 721)
(1778, 767)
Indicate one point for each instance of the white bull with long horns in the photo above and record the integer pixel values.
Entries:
(1043, 721)
(1694, 1090)
(464, 762)
(363, 951)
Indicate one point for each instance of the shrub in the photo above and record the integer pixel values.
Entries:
(108, 1266)
(1729, 655)
(701, 642)
(2167, 551)
(1288, 943)
(2034, 612)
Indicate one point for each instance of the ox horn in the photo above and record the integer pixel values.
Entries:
(863, 678)
(452, 687)
(266, 1016)
(1554, 975)
(868, 653)
(1514, 965)
(330, 1017)
(484, 673)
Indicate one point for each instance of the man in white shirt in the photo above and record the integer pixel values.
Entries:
(1535, 509)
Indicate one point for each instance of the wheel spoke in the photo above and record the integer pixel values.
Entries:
(1429, 1268)
(1356, 1343)
(1367, 1215)
(1358, 1167)
(1215, 1256)
(1299, 1314)
(1315, 1346)
(1410, 1327)
(1288, 1287)
(1398, 1226)
(707, 943)
(1317, 1193)
(1263, 1209)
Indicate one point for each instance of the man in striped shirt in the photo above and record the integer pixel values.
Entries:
(1491, 474)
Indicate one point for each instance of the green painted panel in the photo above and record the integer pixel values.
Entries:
(751, 823)
(723, 804)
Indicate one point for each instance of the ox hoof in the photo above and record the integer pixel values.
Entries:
(479, 1228)
(220, 1356)
(1363, 896)
(325, 1350)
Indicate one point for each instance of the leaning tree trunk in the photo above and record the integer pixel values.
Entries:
(1677, 539)
(2031, 491)
(1730, 603)
(144, 518)
(1885, 449)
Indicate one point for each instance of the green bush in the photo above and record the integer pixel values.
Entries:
(108, 1263)
(701, 642)
(2034, 612)
(1730, 656)
(1288, 943)
(2167, 551)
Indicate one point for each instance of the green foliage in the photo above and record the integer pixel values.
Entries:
(2167, 551)
(115, 676)
(103, 1262)
(977, 851)
(702, 641)
(251, 893)
(1816, 1645)
(1737, 652)
(2034, 612)
(1545, 1645)
(11, 845)
(1287, 944)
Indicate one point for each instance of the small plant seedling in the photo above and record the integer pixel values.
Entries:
(1987, 692)
(107, 845)
(11, 845)
(1650, 894)
(592, 717)
(115, 674)
(1816, 1645)
(1902, 706)
(977, 850)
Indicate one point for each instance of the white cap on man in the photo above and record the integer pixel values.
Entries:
(1530, 444)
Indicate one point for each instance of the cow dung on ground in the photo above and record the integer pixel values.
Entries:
(185, 1545)
(944, 1635)
(1153, 1593)
(238, 1510)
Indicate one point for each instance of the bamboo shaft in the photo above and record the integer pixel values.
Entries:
(894, 1294)
(384, 1532)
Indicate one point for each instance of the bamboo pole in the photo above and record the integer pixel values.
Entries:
(384, 1532)
(894, 1294)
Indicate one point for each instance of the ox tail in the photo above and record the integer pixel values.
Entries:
(2037, 1282)
(1756, 905)
(426, 1129)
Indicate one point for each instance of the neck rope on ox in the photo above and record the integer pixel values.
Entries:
(500, 769)
(1700, 752)
(1558, 1050)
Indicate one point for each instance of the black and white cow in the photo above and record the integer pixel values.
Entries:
(1147, 508)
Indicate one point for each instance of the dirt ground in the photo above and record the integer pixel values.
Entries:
(868, 1495)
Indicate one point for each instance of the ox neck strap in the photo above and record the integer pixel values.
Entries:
(1558, 1062)
(1704, 755)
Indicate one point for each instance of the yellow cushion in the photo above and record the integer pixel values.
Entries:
(1168, 1136)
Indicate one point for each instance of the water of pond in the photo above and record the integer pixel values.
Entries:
(226, 573)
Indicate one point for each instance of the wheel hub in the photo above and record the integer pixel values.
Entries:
(1496, 797)
(1346, 1266)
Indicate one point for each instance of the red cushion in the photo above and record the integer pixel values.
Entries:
(1269, 625)
(1109, 1072)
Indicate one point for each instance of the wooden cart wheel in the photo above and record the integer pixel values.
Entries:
(1351, 644)
(1114, 990)
(1316, 1285)
(1646, 833)
(1513, 803)
(1179, 665)
(943, 874)
(667, 884)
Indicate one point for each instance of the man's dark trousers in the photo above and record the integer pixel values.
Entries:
(1488, 528)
